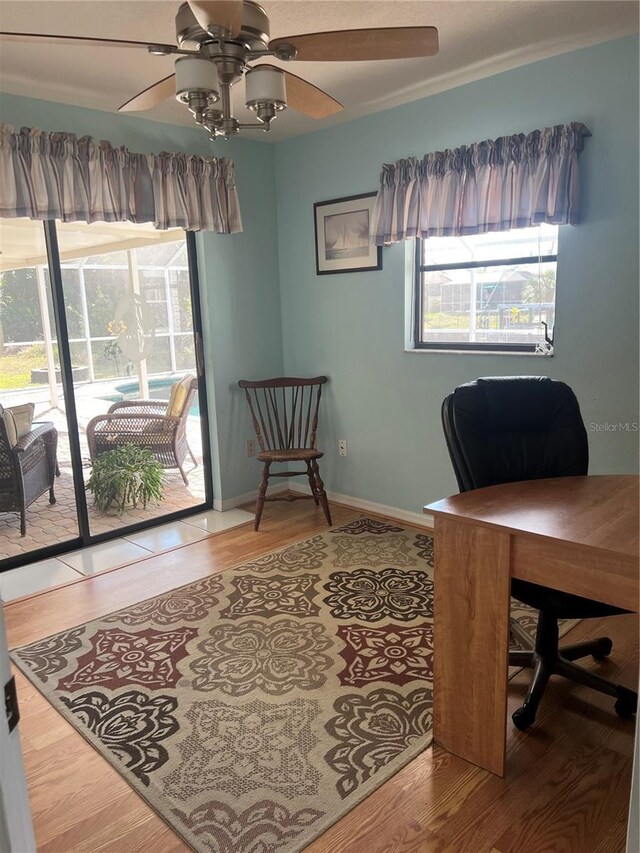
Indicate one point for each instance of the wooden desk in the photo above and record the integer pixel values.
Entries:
(576, 534)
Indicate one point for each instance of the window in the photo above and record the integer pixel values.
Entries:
(487, 291)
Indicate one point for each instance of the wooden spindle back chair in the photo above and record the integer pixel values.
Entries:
(285, 419)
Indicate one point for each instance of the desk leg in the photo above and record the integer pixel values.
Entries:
(471, 642)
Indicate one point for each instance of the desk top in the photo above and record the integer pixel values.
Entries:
(596, 511)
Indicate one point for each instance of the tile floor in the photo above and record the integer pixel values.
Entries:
(167, 536)
(45, 574)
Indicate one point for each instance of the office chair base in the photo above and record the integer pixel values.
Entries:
(626, 704)
(547, 659)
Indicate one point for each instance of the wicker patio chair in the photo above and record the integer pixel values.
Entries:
(146, 424)
(28, 469)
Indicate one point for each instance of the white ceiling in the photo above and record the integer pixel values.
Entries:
(477, 38)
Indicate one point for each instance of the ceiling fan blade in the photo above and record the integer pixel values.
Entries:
(224, 14)
(81, 40)
(306, 98)
(152, 95)
(366, 44)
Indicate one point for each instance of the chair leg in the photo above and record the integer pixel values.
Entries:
(599, 649)
(193, 458)
(23, 521)
(52, 497)
(262, 491)
(184, 476)
(312, 482)
(322, 495)
(521, 636)
(583, 676)
(521, 657)
(544, 665)
(526, 715)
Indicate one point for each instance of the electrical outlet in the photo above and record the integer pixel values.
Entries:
(342, 447)
(251, 447)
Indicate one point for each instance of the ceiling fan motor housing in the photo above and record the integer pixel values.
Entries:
(254, 33)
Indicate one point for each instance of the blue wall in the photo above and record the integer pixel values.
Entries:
(238, 273)
(386, 402)
(266, 312)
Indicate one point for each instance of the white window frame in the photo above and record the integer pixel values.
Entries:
(417, 342)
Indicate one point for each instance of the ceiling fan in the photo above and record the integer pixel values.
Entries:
(218, 42)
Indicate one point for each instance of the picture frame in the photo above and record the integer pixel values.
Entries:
(342, 235)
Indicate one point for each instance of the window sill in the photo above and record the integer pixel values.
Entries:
(477, 352)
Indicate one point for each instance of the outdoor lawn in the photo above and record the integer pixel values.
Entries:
(16, 364)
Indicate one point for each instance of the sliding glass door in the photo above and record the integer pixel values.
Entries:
(119, 369)
(31, 389)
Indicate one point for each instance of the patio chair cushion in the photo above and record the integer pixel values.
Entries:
(10, 427)
(17, 421)
(178, 396)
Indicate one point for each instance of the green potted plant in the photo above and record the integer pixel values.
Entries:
(126, 477)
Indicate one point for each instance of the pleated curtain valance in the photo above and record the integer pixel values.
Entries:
(58, 176)
(511, 182)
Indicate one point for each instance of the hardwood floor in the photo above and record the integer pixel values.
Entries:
(567, 784)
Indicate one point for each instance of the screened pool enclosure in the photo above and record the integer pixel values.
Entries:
(104, 314)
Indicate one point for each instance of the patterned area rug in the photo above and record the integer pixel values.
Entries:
(254, 708)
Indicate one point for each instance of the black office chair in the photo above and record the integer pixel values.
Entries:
(507, 429)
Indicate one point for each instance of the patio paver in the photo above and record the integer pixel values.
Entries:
(50, 524)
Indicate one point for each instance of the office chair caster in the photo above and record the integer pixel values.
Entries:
(605, 647)
(524, 717)
(626, 704)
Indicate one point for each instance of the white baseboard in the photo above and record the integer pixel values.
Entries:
(417, 518)
(247, 497)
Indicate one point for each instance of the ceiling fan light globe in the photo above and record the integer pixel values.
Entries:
(196, 76)
(265, 85)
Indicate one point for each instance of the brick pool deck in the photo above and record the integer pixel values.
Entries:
(49, 524)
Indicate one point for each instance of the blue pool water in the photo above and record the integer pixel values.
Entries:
(158, 390)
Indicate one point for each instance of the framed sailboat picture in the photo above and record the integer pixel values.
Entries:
(342, 235)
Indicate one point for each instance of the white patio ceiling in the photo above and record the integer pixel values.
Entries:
(22, 242)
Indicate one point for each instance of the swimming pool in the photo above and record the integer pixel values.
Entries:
(158, 390)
